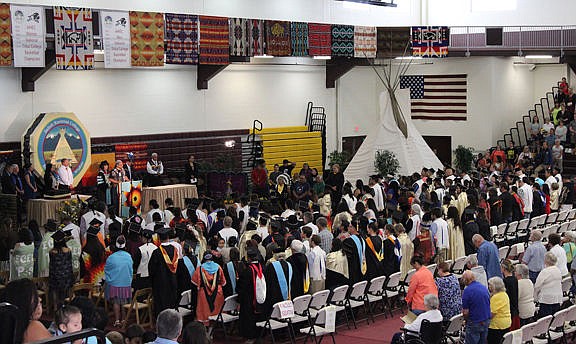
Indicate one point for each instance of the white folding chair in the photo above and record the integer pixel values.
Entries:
(527, 331)
(338, 300)
(503, 252)
(406, 282)
(493, 230)
(391, 289)
(275, 322)
(432, 268)
(500, 237)
(319, 328)
(569, 327)
(562, 216)
(375, 292)
(357, 298)
(540, 330)
(184, 306)
(551, 219)
(571, 214)
(563, 227)
(566, 285)
(227, 314)
(319, 300)
(458, 267)
(556, 330)
(572, 225)
(522, 230)
(515, 251)
(301, 306)
(455, 328)
(507, 339)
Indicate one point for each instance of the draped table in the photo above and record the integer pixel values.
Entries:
(43, 209)
(177, 192)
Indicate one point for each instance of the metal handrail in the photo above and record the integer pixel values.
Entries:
(515, 37)
(69, 338)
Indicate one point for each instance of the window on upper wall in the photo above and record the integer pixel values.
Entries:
(494, 5)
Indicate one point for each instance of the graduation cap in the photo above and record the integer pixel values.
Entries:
(160, 226)
(303, 205)
(181, 226)
(58, 236)
(292, 222)
(147, 233)
(93, 231)
(134, 227)
(95, 222)
(68, 233)
(136, 219)
(51, 225)
(251, 226)
(252, 253)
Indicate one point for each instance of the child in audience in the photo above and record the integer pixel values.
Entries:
(69, 320)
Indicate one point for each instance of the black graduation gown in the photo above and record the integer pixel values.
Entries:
(350, 249)
(390, 262)
(469, 229)
(238, 268)
(164, 283)
(273, 292)
(373, 264)
(184, 280)
(250, 311)
(299, 263)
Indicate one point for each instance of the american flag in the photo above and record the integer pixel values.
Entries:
(437, 97)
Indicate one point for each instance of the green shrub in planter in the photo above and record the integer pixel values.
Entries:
(385, 163)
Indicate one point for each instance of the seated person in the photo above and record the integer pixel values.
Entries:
(432, 314)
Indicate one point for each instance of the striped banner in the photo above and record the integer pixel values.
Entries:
(437, 97)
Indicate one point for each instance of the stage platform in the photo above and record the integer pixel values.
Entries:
(43, 209)
(177, 192)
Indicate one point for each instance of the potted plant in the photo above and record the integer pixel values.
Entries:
(463, 158)
(386, 163)
(340, 158)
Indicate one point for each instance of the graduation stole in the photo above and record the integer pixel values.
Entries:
(189, 265)
(209, 290)
(396, 243)
(172, 264)
(306, 279)
(361, 257)
(379, 255)
(232, 275)
(284, 285)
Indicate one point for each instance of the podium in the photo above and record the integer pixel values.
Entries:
(130, 195)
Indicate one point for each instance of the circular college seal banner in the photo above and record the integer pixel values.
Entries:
(54, 136)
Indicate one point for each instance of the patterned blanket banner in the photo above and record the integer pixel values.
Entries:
(365, 42)
(437, 97)
(392, 41)
(147, 37)
(239, 33)
(299, 38)
(214, 40)
(73, 38)
(430, 41)
(5, 37)
(319, 39)
(116, 36)
(256, 36)
(343, 40)
(278, 38)
(28, 25)
(181, 39)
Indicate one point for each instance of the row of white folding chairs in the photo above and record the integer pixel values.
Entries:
(546, 329)
(518, 230)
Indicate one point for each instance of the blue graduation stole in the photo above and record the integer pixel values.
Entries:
(284, 286)
(189, 265)
(232, 275)
(359, 247)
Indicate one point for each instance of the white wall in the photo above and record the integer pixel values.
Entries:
(498, 94)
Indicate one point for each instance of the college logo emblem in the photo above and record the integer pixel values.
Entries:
(56, 136)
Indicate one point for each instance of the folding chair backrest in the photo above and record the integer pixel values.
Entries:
(376, 285)
(563, 227)
(301, 304)
(276, 310)
(559, 319)
(507, 339)
(571, 313)
(358, 290)
(566, 285)
(512, 226)
(571, 214)
(542, 326)
(320, 298)
(456, 323)
(503, 252)
(562, 216)
(321, 317)
(459, 264)
(552, 218)
(230, 303)
(527, 331)
(501, 230)
(185, 298)
(523, 225)
(431, 332)
(409, 275)
(493, 230)
(432, 268)
(572, 225)
(339, 294)
(393, 281)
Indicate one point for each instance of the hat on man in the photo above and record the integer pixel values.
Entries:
(95, 222)
(59, 236)
(134, 227)
(51, 225)
(93, 231)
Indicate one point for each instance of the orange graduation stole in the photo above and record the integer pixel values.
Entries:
(172, 264)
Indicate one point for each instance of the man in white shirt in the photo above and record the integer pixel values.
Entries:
(154, 208)
(439, 230)
(432, 314)
(227, 232)
(378, 196)
(262, 229)
(558, 177)
(525, 193)
(155, 169)
(317, 258)
(562, 262)
(73, 228)
(308, 222)
(66, 175)
(550, 179)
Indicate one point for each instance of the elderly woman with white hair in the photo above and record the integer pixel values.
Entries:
(432, 314)
(526, 305)
(534, 255)
(568, 243)
(500, 309)
(548, 287)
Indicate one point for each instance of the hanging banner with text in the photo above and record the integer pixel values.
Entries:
(28, 25)
(116, 34)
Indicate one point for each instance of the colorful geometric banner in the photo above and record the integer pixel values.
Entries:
(343, 40)
(73, 38)
(181, 39)
(278, 38)
(320, 39)
(392, 41)
(239, 33)
(5, 37)
(299, 36)
(147, 37)
(214, 41)
(365, 42)
(130, 196)
(28, 39)
(256, 37)
(430, 41)
(116, 36)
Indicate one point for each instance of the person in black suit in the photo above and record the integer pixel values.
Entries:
(191, 171)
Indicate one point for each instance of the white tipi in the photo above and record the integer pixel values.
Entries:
(395, 133)
(63, 149)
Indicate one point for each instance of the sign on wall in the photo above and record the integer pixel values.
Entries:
(28, 39)
(116, 34)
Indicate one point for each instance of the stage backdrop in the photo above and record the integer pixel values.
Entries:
(54, 136)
